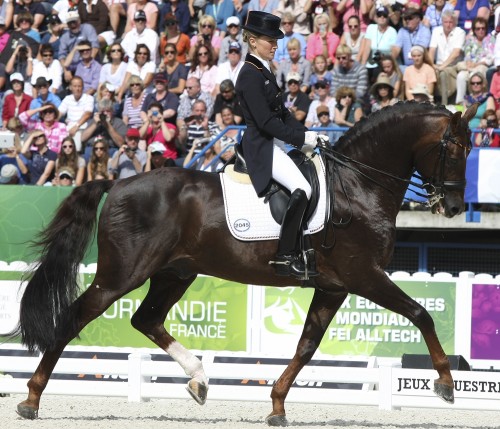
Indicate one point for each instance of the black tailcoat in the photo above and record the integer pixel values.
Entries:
(266, 118)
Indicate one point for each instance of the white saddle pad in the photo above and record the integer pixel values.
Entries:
(249, 219)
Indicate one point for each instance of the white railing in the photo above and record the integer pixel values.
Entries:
(387, 387)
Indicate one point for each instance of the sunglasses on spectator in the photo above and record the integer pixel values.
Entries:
(98, 148)
(234, 51)
(67, 146)
(232, 26)
(135, 84)
(480, 28)
(169, 52)
(65, 176)
(382, 14)
(142, 53)
(342, 57)
(170, 23)
(85, 50)
(116, 50)
(323, 114)
(409, 18)
(320, 85)
(41, 86)
(287, 23)
(477, 82)
(293, 82)
(207, 26)
(346, 96)
(202, 54)
(49, 111)
(352, 27)
(47, 55)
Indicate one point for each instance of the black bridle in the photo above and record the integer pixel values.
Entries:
(435, 186)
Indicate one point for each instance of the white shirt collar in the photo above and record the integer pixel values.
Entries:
(265, 63)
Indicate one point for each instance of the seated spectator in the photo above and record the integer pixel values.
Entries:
(21, 62)
(45, 119)
(204, 67)
(141, 66)
(478, 93)
(434, 11)
(17, 165)
(233, 35)
(349, 8)
(155, 129)
(300, 9)
(319, 72)
(9, 175)
(106, 127)
(391, 69)
(161, 94)
(98, 165)
(193, 93)
(17, 101)
(382, 93)
(325, 121)
(420, 72)
(230, 137)
(421, 93)
(24, 24)
(295, 63)
(175, 9)
(347, 110)
(354, 37)
(287, 27)
(133, 103)
(69, 160)
(64, 176)
(114, 71)
(347, 72)
(467, 11)
(77, 31)
(295, 100)
(35, 9)
(230, 69)
(413, 33)
(96, 13)
(140, 35)
(43, 160)
(156, 159)
(322, 40)
(53, 34)
(176, 72)
(146, 8)
(197, 127)
(175, 36)
(220, 10)
(77, 108)
(487, 137)
(87, 68)
(107, 92)
(206, 37)
(129, 160)
(226, 98)
(49, 69)
(445, 51)
(323, 91)
(207, 161)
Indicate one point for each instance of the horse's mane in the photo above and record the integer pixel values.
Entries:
(388, 117)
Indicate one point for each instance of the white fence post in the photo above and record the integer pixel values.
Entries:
(135, 377)
(385, 388)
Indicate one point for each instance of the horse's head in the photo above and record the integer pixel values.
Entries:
(444, 172)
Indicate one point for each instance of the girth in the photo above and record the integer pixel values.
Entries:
(277, 195)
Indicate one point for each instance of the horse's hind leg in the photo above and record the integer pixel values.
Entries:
(321, 311)
(91, 304)
(164, 291)
(387, 294)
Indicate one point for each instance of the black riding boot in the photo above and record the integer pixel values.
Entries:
(288, 261)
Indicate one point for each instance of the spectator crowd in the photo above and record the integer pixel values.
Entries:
(106, 89)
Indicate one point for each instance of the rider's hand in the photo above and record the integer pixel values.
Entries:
(311, 139)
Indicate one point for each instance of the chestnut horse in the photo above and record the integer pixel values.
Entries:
(169, 225)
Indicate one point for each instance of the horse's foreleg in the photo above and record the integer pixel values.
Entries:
(91, 304)
(321, 311)
(390, 296)
(165, 290)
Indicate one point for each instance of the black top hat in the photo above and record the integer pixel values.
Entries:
(265, 24)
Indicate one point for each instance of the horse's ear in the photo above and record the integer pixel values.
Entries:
(470, 112)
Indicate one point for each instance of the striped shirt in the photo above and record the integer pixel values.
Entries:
(133, 113)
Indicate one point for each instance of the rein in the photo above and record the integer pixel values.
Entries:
(435, 187)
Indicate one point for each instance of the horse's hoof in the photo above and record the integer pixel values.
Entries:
(444, 392)
(198, 391)
(277, 420)
(27, 412)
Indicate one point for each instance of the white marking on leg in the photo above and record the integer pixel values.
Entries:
(191, 365)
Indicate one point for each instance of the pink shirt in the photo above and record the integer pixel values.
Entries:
(495, 85)
(171, 151)
(315, 45)
(55, 135)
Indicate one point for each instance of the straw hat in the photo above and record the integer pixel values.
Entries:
(382, 80)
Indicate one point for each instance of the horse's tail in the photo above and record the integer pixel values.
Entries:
(45, 314)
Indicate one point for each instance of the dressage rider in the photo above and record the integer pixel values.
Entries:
(269, 125)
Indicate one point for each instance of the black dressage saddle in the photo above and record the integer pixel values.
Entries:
(277, 195)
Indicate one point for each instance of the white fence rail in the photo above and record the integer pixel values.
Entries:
(387, 387)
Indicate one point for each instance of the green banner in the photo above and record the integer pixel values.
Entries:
(212, 315)
(360, 327)
(24, 212)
